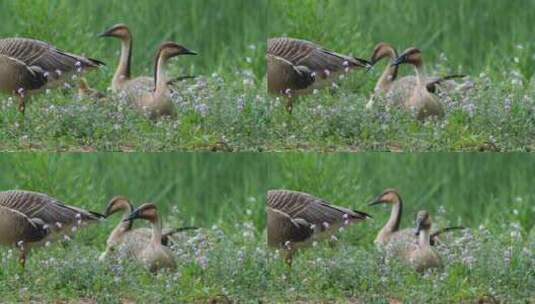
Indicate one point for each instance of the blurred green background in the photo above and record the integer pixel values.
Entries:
(475, 35)
(474, 189)
(213, 28)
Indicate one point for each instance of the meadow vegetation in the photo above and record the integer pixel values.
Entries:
(227, 108)
(227, 259)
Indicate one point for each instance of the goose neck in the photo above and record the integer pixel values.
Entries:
(389, 75)
(420, 74)
(156, 237)
(125, 61)
(160, 75)
(424, 238)
(395, 216)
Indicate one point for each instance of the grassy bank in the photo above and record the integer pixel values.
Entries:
(228, 259)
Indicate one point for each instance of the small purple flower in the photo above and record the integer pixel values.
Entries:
(202, 109)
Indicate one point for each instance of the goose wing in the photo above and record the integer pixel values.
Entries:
(45, 56)
(15, 75)
(282, 75)
(282, 228)
(311, 209)
(16, 226)
(318, 59)
(433, 82)
(48, 209)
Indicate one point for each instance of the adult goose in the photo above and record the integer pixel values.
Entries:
(125, 233)
(391, 231)
(297, 67)
(31, 219)
(27, 66)
(296, 219)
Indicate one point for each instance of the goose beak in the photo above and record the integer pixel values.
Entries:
(376, 201)
(365, 63)
(105, 34)
(107, 213)
(188, 52)
(134, 215)
(400, 60)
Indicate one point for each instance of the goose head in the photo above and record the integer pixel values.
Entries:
(410, 56)
(383, 50)
(120, 31)
(389, 196)
(147, 211)
(169, 50)
(116, 204)
(423, 221)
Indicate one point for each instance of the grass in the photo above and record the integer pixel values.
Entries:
(228, 259)
(227, 107)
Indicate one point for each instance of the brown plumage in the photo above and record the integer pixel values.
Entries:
(287, 79)
(149, 252)
(390, 74)
(401, 91)
(295, 219)
(420, 255)
(28, 66)
(122, 79)
(422, 100)
(124, 232)
(391, 231)
(296, 67)
(28, 219)
(156, 102)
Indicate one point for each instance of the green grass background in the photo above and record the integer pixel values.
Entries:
(493, 190)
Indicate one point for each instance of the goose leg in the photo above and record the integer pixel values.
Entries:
(22, 104)
(289, 258)
(289, 105)
(22, 259)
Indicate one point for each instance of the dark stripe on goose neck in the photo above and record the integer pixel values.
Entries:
(127, 73)
(400, 213)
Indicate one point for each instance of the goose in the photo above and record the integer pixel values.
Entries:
(297, 67)
(296, 219)
(124, 232)
(28, 66)
(30, 219)
(157, 102)
(85, 91)
(390, 74)
(421, 255)
(122, 79)
(285, 77)
(389, 82)
(398, 90)
(422, 99)
(391, 230)
(152, 253)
